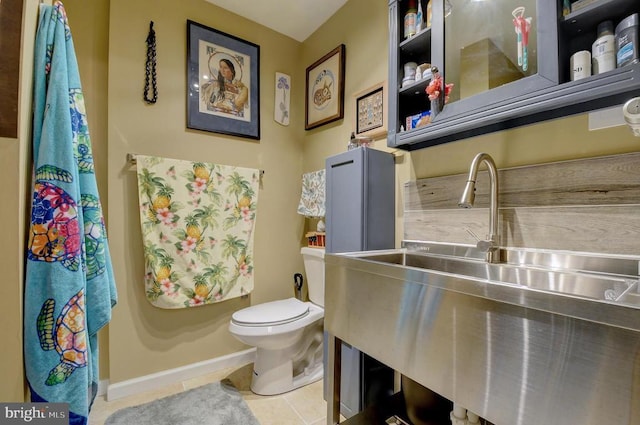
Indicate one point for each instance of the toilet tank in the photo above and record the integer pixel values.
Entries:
(314, 269)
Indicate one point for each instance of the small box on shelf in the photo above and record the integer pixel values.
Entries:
(418, 120)
(581, 4)
(315, 239)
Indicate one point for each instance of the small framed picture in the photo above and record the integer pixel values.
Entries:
(325, 89)
(223, 82)
(371, 113)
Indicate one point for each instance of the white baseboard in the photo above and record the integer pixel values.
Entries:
(171, 376)
(102, 387)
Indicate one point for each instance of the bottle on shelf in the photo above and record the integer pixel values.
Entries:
(603, 57)
(410, 19)
(627, 41)
(419, 18)
(428, 14)
(353, 143)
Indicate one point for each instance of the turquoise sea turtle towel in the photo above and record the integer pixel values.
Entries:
(69, 287)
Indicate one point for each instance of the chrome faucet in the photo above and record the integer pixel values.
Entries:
(490, 245)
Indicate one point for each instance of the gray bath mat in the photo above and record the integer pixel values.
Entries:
(218, 403)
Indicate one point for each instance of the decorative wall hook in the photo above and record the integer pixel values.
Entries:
(150, 71)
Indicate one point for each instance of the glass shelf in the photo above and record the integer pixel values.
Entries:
(588, 18)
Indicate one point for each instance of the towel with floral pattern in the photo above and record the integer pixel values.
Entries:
(198, 221)
(312, 197)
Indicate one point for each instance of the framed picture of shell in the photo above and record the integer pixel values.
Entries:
(325, 89)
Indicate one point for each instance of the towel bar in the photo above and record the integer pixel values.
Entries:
(131, 159)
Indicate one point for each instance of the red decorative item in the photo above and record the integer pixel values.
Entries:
(437, 95)
(435, 86)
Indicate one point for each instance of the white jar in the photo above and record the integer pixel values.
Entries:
(410, 70)
(603, 56)
(580, 63)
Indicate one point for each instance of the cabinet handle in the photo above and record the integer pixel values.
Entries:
(342, 163)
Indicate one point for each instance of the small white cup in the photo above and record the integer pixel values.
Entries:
(580, 64)
(410, 70)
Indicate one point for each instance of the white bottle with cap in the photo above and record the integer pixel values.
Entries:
(603, 56)
(419, 18)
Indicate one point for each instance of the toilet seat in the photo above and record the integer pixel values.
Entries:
(271, 313)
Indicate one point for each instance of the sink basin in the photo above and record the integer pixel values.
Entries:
(599, 287)
(585, 276)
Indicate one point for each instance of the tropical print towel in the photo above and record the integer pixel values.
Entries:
(312, 197)
(69, 286)
(197, 229)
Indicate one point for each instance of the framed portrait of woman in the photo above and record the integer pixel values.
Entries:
(223, 82)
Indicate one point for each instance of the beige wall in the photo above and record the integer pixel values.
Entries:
(556, 140)
(11, 290)
(14, 174)
(361, 25)
(157, 339)
(109, 38)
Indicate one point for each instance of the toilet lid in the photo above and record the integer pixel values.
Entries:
(271, 313)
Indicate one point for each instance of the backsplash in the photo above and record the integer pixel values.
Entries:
(589, 205)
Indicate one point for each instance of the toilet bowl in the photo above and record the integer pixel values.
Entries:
(287, 334)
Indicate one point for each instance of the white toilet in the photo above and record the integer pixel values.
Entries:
(287, 334)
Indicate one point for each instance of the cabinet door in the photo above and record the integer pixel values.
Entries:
(345, 202)
(379, 200)
(491, 51)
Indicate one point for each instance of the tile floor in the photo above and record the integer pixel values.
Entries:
(304, 406)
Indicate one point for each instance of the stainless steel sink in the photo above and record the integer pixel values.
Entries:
(519, 341)
(571, 283)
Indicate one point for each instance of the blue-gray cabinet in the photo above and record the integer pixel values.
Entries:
(360, 216)
(360, 201)
(468, 39)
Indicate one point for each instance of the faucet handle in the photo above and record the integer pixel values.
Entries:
(482, 244)
(486, 246)
(469, 231)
